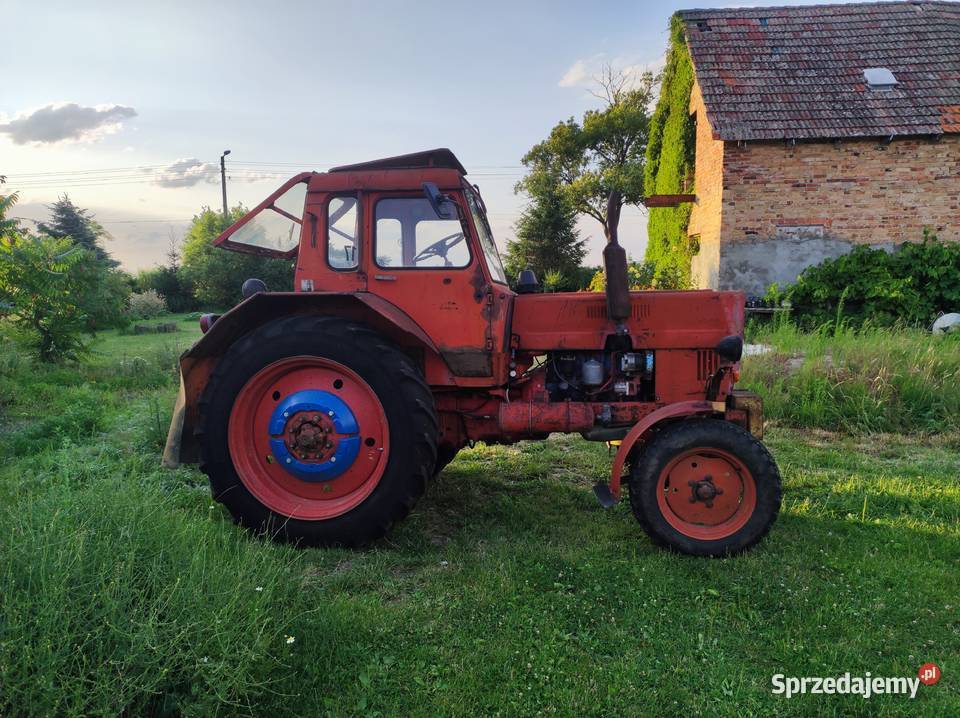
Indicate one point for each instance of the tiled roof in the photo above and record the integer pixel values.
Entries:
(797, 72)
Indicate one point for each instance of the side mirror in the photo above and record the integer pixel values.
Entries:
(445, 207)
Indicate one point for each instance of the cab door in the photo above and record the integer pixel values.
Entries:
(430, 268)
(331, 262)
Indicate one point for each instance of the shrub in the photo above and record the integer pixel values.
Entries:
(170, 283)
(913, 284)
(643, 275)
(147, 305)
(55, 291)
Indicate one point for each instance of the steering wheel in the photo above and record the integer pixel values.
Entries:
(440, 249)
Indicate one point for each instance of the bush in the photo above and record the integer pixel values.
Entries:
(643, 275)
(912, 284)
(147, 305)
(171, 284)
(55, 291)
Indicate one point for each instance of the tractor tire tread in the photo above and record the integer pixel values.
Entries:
(410, 462)
(645, 466)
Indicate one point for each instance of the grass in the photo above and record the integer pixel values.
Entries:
(509, 591)
(871, 380)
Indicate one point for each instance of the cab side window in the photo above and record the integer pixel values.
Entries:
(409, 234)
(342, 232)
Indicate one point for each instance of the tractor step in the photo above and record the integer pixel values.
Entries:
(604, 495)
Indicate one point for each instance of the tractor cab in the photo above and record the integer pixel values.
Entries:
(411, 230)
(412, 214)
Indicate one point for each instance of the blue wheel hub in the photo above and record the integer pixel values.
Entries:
(314, 435)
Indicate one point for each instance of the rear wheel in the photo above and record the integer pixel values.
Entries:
(445, 454)
(317, 430)
(705, 487)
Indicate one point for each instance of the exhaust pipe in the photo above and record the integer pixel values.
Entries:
(615, 267)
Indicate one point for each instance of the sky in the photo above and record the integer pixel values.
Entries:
(127, 106)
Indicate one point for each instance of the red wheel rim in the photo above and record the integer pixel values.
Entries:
(706, 494)
(254, 457)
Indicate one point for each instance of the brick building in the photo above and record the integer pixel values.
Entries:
(817, 128)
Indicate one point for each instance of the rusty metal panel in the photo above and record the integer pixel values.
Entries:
(658, 320)
(468, 362)
(752, 404)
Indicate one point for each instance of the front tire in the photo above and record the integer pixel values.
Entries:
(318, 431)
(705, 487)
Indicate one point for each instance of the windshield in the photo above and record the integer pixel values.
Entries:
(275, 229)
(486, 237)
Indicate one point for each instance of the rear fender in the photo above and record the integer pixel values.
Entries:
(198, 362)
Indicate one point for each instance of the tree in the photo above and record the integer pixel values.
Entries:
(55, 291)
(217, 274)
(598, 164)
(170, 282)
(6, 204)
(547, 239)
(68, 220)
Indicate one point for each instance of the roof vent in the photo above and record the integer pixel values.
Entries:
(703, 26)
(879, 78)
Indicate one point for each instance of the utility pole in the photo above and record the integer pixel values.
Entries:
(223, 184)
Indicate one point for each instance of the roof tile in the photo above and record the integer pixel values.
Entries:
(797, 72)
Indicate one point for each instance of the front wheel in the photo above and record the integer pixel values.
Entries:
(705, 487)
(318, 431)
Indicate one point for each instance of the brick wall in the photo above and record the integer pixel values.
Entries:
(782, 208)
(705, 218)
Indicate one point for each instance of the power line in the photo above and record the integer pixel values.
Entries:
(235, 163)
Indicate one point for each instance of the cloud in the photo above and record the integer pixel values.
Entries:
(576, 75)
(187, 172)
(585, 71)
(68, 122)
(190, 171)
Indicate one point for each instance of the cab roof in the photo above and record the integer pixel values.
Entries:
(440, 158)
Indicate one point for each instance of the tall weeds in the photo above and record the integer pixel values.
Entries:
(857, 380)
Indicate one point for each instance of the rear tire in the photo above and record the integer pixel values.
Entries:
(705, 487)
(445, 454)
(386, 454)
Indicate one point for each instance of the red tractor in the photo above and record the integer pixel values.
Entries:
(320, 414)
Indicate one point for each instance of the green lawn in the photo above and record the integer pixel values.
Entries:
(509, 591)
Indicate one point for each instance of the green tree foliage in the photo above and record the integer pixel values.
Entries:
(68, 220)
(216, 275)
(8, 225)
(547, 239)
(55, 291)
(170, 282)
(669, 162)
(598, 163)
(914, 284)
(640, 276)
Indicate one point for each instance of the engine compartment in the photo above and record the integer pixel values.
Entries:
(601, 376)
